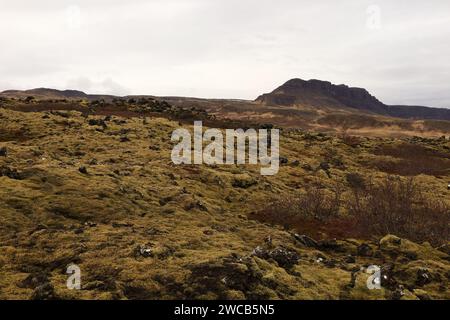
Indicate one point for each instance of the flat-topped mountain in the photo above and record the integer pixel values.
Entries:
(317, 92)
(324, 94)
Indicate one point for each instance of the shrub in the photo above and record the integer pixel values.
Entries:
(316, 203)
(391, 206)
(400, 207)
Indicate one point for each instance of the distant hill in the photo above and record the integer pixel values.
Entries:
(315, 95)
(324, 94)
(46, 93)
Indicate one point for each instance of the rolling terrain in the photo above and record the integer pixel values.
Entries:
(312, 105)
(88, 180)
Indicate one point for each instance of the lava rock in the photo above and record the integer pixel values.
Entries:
(83, 170)
(97, 122)
(285, 258)
(144, 251)
(10, 173)
(364, 250)
(306, 241)
(244, 183)
(44, 292)
(423, 277)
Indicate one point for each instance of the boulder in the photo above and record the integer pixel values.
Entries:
(285, 257)
(306, 241)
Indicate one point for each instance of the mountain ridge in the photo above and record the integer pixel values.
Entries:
(318, 93)
(313, 93)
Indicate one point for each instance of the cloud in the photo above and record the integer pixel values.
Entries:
(230, 49)
(106, 86)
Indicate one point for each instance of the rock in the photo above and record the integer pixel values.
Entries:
(331, 245)
(154, 148)
(34, 280)
(259, 252)
(44, 292)
(364, 250)
(220, 278)
(97, 122)
(387, 277)
(349, 259)
(355, 181)
(324, 166)
(3, 152)
(285, 258)
(78, 230)
(90, 224)
(10, 173)
(421, 294)
(306, 241)
(424, 277)
(295, 163)
(165, 200)
(195, 204)
(121, 225)
(144, 250)
(83, 170)
(208, 232)
(155, 232)
(398, 293)
(151, 250)
(244, 182)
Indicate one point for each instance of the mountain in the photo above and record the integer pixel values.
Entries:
(46, 93)
(324, 94)
(316, 95)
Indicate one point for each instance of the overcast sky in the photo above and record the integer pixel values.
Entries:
(399, 50)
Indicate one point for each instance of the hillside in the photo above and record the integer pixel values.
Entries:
(96, 187)
(316, 106)
(324, 94)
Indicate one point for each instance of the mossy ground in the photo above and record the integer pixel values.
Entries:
(192, 219)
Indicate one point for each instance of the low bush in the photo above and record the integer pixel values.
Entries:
(372, 209)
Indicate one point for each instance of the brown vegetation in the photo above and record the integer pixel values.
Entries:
(409, 159)
(389, 206)
(401, 207)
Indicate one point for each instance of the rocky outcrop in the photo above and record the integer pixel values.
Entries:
(317, 93)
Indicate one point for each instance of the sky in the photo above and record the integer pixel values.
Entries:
(398, 50)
